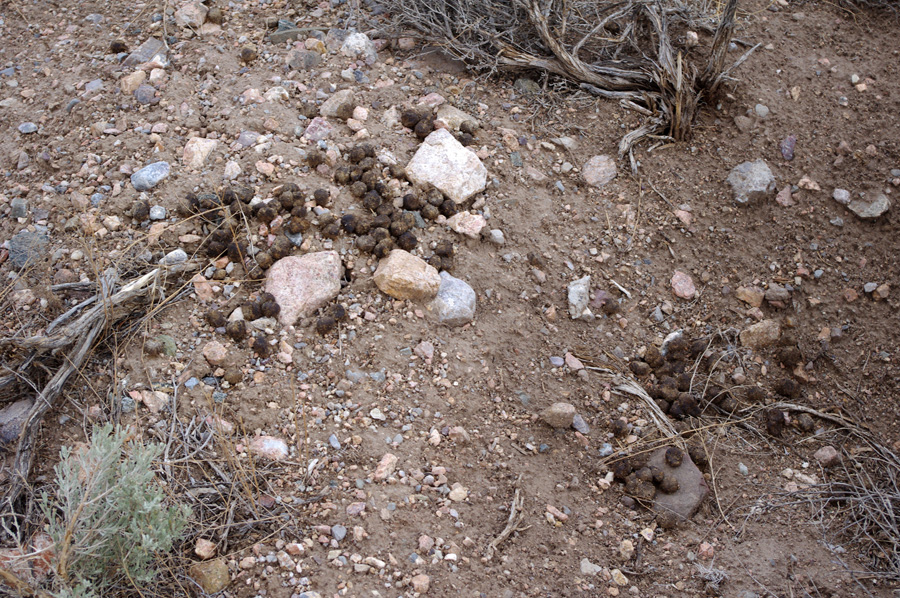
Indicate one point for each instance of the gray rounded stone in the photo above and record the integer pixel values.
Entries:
(150, 176)
(455, 301)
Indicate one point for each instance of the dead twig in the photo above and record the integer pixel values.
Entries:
(516, 514)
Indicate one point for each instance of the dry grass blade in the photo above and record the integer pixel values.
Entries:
(616, 50)
(662, 421)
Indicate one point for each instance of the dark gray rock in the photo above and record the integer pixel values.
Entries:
(146, 95)
(303, 60)
(27, 247)
(18, 208)
(147, 50)
(150, 176)
(338, 532)
(692, 488)
(751, 182)
(12, 420)
(285, 35)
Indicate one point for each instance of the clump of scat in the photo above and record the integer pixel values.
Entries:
(330, 318)
(679, 379)
(263, 306)
(380, 226)
(420, 121)
(642, 481)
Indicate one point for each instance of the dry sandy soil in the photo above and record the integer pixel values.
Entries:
(494, 376)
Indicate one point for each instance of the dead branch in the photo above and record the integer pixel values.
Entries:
(79, 338)
(516, 514)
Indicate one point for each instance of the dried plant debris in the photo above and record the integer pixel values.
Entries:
(623, 51)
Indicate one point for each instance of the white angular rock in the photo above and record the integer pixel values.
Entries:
(277, 94)
(358, 45)
(405, 276)
(761, 335)
(870, 206)
(751, 181)
(196, 151)
(599, 171)
(330, 106)
(303, 284)
(232, 170)
(442, 161)
(452, 117)
(579, 296)
(559, 415)
(269, 447)
(191, 14)
(467, 223)
(455, 301)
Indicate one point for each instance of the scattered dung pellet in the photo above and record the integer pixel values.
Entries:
(653, 357)
(645, 474)
(789, 388)
(215, 319)
(674, 456)
(356, 154)
(264, 259)
(331, 231)
(321, 197)
(234, 376)
(315, 158)
(698, 454)
(619, 427)
(325, 324)
(755, 394)
(236, 330)
(248, 53)
(141, 210)
(410, 119)
(640, 489)
(444, 249)
(270, 309)
(349, 222)
(639, 368)
(424, 128)
(365, 243)
(449, 208)
(774, 422)
(669, 484)
(345, 111)
(412, 201)
(296, 226)
(407, 241)
(117, 47)
(281, 248)
(260, 346)
(342, 175)
(383, 248)
(338, 312)
(358, 189)
(621, 469)
(429, 212)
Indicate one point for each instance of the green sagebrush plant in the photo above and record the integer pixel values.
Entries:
(108, 518)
